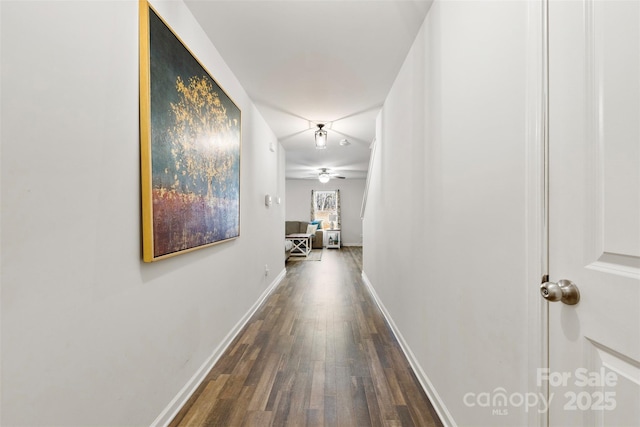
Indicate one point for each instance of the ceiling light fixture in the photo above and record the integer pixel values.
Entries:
(324, 177)
(321, 138)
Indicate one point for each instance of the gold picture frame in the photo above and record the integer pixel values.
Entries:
(190, 142)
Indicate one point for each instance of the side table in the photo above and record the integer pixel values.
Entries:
(333, 239)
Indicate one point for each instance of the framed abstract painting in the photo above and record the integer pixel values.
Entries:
(190, 138)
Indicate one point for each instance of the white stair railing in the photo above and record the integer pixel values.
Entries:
(366, 187)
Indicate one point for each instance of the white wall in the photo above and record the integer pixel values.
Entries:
(298, 204)
(91, 335)
(451, 172)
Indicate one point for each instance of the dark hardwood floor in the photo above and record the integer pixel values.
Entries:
(317, 353)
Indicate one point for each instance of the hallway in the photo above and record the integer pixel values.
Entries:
(318, 352)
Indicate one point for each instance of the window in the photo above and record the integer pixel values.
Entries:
(325, 206)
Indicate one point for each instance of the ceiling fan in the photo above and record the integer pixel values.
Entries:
(325, 175)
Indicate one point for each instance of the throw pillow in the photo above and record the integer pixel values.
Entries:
(311, 228)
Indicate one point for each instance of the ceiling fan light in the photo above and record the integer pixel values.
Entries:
(321, 138)
(324, 177)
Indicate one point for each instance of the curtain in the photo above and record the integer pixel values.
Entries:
(338, 211)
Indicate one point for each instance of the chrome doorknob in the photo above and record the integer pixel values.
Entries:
(565, 291)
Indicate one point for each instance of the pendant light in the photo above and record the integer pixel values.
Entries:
(321, 138)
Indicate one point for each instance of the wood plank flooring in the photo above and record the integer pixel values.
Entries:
(317, 353)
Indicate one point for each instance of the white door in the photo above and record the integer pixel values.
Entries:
(594, 212)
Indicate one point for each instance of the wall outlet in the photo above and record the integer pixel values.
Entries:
(266, 269)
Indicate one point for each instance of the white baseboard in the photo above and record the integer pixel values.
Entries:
(190, 387)
(426, 384)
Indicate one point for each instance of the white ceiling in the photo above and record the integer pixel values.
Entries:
(306, 62)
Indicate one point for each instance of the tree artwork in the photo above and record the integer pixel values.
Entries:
(200, 137)
(191, 197)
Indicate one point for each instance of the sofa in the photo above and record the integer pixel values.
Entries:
(291, 227)
(288, 247)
